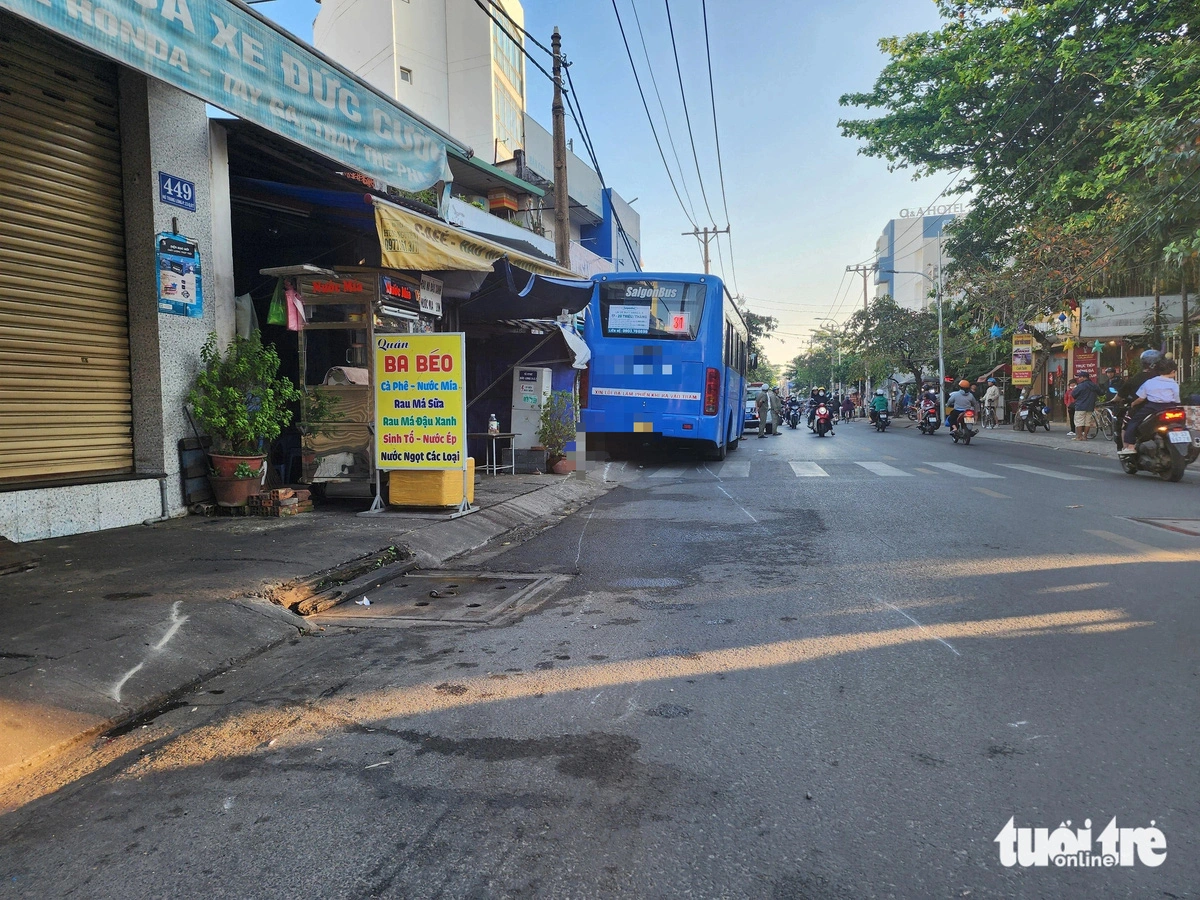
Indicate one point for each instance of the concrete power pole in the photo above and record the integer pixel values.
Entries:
(864, 271)
(562, 205)
(704, 235)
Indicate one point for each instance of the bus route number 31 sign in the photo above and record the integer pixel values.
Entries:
(420, 401)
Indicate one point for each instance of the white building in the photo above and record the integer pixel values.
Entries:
(451, 64)
(912, 244)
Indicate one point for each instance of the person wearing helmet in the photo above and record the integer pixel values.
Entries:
(1128, 392)
(991, 403)
(818, 396)
(961, 400)
(878, 404)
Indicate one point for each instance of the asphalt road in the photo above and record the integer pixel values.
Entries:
(826, 668)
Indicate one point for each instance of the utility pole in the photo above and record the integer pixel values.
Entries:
(864, 271)
(562, 205)
(704, 235)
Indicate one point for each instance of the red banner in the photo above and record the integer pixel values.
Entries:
(1087, 364)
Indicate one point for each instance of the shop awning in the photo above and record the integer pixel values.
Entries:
(418, 243)
(511, 292)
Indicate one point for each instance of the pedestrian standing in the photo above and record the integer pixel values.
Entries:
(762, 405)
(776, 410)
(1069, 400)
(1085, 394)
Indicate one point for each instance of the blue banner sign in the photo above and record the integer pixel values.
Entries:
(180, 286)
(176, 191)
(222, 53)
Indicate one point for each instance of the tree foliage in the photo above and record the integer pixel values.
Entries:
(759, 328)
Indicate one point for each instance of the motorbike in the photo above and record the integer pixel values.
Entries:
(793, 416)
(1034, 414)
(1164, 445)
(823, 421)
(964, 429)
(882, 420)
(929, 421)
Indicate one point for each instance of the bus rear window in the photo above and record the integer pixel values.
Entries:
(663, 310)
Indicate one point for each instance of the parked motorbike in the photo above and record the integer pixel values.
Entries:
(1164, 444)
(964, 429)
(882, 420)
(1034, 414)
(823, 421)
(929, 422)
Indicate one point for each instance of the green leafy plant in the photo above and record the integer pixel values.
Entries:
(319, 412)
(557, 425)
(239, 397)
(244, 471)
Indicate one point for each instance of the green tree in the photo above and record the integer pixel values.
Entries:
(895, 338)
(759, 328)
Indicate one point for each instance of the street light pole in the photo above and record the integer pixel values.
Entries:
(937, 287)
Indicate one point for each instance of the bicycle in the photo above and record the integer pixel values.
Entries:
(1106, 422)
(989, 417)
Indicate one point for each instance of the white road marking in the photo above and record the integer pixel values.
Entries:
(731, 469)
(962, 470)
(990, 493)
(579, 547)
(884, 469)
(1070, 588)
(1049, 473)
(1093, 468)
(807, 469)
(672, 471)
(176, 623)
(923, 628)
(739, 506)
(173, 626)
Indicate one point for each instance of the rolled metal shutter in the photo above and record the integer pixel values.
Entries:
(65, 392)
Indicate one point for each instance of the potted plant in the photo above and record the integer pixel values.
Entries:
(242, 402)
(556, 429)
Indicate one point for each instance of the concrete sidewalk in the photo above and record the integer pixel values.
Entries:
(113, 623)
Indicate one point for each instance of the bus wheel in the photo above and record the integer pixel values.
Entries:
(733, 445)
(719, 453)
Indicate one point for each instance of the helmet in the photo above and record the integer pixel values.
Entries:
(1151, 358)
(879, 392)
(991, 381)
(964, 384)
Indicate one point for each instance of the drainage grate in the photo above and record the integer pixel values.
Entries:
(1180, 526)
(446, 598)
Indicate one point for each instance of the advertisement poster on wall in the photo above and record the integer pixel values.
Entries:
(180, 287)
(420, 401)
(1087, 363)
(1022, 360)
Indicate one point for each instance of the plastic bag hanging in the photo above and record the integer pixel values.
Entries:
(295, 307)
(277, 315)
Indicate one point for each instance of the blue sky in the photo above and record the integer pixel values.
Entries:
(802, 204)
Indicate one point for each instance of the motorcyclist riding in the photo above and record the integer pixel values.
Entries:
(1152, 360)
(878, 404)
(962, 400)
(816, 397)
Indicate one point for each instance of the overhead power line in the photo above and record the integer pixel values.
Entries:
(686, 116)
(717, 139)
(519, 44)
(649, 118)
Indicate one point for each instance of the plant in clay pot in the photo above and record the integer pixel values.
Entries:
(556, 428)
(243, 404)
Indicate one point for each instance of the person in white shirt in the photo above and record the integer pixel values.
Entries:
(1155, 394)
(991, 402)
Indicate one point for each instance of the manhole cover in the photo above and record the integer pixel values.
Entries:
(1181, 526)
(444, 598)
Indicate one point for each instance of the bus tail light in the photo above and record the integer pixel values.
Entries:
(712, 392)
(584, 388)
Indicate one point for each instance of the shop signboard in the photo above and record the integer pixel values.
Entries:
(180, 287)
(420, 401)
(1087, 363)
(431, 296)
(1022, 360)
(231, 57)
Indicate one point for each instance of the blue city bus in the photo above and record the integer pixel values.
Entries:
(669, 356)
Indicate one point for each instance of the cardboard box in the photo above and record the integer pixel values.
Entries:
(430, 487)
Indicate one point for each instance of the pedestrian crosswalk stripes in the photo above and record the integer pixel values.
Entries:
(956, 469)
(884, 469)
(1049, 473)
(807, 469)
(841, 469)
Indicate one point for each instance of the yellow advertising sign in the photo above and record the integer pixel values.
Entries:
(1022, 360)
(420, 401)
